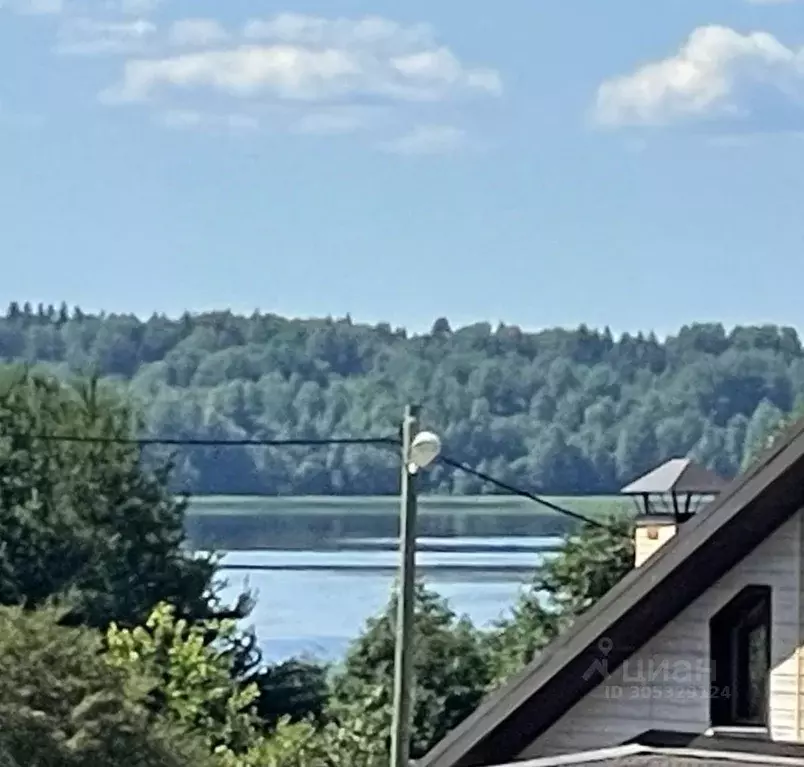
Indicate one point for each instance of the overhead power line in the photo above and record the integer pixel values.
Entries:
(521, 493)
(324, 442)
(152, 441)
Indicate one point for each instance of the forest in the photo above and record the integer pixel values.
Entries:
(559, 411)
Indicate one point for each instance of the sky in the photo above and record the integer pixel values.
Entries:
(538, 162)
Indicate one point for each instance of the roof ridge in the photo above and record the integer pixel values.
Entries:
(743, 756)
(593, 755)
(638, 749)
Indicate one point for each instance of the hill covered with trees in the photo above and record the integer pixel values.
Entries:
(558, 411)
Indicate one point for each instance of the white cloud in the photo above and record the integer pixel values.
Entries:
(197, 32)
(428, 139)
(718, 73)
(288, 72)
(291, 72)
(87, 37)
(440, 67)
(309, 58)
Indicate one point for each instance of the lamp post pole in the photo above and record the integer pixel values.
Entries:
(403, 662)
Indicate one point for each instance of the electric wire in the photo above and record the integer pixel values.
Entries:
(521, 493)
(321, 442)
(179, 442)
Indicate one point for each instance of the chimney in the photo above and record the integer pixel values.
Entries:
(649, 536)
(667, 497)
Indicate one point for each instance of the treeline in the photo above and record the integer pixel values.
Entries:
(558, 411)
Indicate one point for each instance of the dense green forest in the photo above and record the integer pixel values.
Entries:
(557, 411)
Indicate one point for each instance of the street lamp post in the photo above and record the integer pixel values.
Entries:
(419, 450)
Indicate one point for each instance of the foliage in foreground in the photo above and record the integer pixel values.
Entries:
(69, 699)
(198, 693)
(450, 669)
(62, 705)
(197, 687)
(83, 516)
(86, 523)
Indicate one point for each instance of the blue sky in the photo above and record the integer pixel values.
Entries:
(542, 162)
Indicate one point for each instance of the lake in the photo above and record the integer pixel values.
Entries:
(314, 603)
(320, 567)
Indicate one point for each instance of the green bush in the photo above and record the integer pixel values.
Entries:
(63, 705)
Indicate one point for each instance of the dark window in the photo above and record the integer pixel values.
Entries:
(740, 659)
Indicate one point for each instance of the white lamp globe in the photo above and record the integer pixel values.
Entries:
(424, 449)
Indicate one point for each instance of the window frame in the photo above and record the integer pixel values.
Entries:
(730, 631)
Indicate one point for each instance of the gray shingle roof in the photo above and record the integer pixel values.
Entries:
(678, 475)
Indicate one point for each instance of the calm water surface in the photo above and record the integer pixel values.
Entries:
(313, 603)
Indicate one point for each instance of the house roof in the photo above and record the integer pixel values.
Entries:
(678, 475)
(646, 756)
(746, 512)
(678, 749)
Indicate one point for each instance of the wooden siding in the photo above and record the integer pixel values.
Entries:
(666, 684)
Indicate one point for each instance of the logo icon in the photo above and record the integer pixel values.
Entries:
(601, 665)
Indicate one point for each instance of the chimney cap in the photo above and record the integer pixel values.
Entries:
(678, 475)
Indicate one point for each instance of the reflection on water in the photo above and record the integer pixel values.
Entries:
(463, 544)
(317, 607)
(379, 560)
(249, 523)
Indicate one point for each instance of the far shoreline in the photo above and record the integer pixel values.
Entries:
(249, 505)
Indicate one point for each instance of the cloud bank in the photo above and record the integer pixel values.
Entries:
(718, 74)
(397, 84)
(311, 59)
(325, 76)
